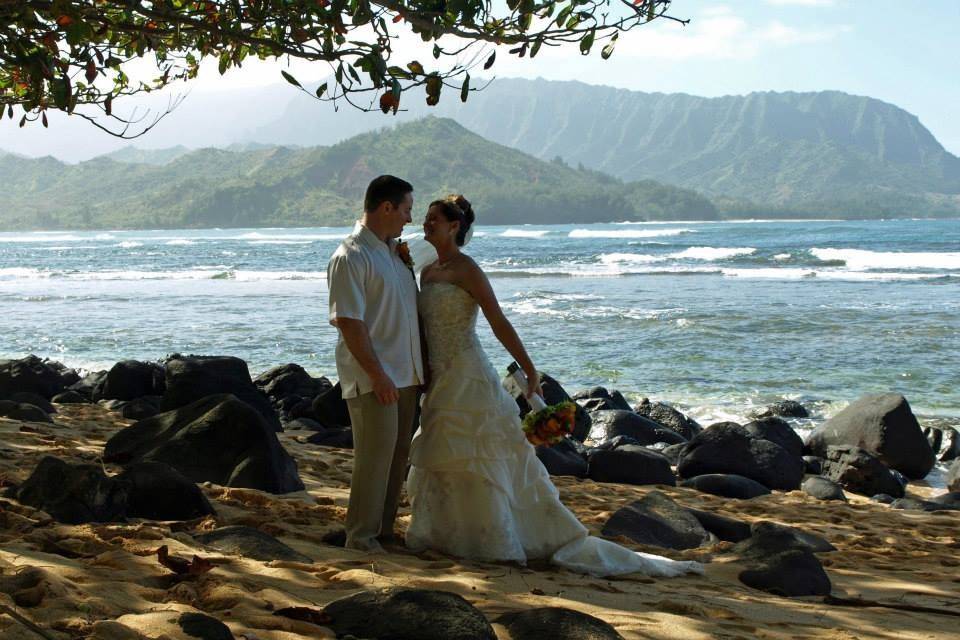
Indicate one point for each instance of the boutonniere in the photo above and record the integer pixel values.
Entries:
(403, 250)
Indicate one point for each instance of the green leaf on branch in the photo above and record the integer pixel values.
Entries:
(321, 90)
(415, 68)
(465, 89)
(289, 78)
(490, 61)
(587, 43)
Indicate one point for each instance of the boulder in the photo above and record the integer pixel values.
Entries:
(25, 397)
(812, 465)
(952, 498)
(341, 438)
(789, 574)
(883, 498)
(553, 393)
(556, 623)
(90, 385)
(658, 521)
(610, 424)
(883, 425)
(672, 452)
(157, 491)
(778, 431)
(563, 459)
(190, 378)
(858, 471)
(407, 614)
(630, 464)
(953, 476)
(250, 543)
(724, 528)
(303, 424)
(669, 417)
(23, 411)
(141, 408)
(31, 375)
(74, 493)
(131, 379)
(729, 448)
(934, 436)
(203, 627)
(330, 409)
(614, 443)
(70, 397)
(782, 409)
(912, 504)
(288, 380)
(823, 489)
(769, 538)
(600, 404)
(951, 446)
(727, 485)
(593, 392)
(216, 439)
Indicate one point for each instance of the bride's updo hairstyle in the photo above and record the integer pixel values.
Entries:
(456, 208)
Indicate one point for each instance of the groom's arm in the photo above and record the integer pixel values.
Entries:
(357, 337)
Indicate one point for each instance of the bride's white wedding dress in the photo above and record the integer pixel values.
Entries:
(476, 487)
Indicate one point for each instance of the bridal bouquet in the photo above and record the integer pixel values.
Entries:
(550, 425)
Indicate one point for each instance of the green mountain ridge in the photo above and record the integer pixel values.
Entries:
(281, 186)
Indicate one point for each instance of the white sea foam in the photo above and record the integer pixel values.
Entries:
(256, 235)
(826, 274)
(257, 276)
(177, 242)
(629, 258)
(39, 236)
(525, 233)
(626, 233)
(259, 242)
(22, 273)
(104, 236)
(862, 260)
(782, 256)
(130, 244)
(713, 253)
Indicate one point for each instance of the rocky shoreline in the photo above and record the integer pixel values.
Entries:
(238, 478)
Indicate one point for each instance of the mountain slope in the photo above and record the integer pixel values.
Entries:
(788, 150)
(324, 185)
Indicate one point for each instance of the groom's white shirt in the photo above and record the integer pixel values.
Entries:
(368, 281)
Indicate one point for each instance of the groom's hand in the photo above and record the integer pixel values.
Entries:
(385, 390)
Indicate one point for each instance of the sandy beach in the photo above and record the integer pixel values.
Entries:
(104, 581)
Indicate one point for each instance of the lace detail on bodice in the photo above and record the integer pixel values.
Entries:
(449, 321)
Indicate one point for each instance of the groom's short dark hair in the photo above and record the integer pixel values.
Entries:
(384, 188)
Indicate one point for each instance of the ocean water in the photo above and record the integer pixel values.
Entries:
(717, 318)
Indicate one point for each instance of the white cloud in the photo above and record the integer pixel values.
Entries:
(778, 33)
(802, 3)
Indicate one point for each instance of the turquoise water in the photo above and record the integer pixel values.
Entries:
(715, 317)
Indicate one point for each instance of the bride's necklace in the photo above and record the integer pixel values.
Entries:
(443, 264)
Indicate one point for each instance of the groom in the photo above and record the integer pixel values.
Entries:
(373, 304)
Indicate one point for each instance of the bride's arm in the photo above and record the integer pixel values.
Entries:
(477, 285)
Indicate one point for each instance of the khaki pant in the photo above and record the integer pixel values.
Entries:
(381, 448)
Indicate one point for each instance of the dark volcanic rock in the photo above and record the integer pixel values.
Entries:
(885, 426)
(951, 447)
(610, 424)
(600, 404)
(630, 464)
(556, 623)
(953, 476)
(141, 408)
(190, 378)
(823, 489)
(912, 504)
(615, 443)
(203, 627)
(883, 498)
(563, 459)
(90, 385)
(783, 409)
(952, 498)
(669, 417)
(25, 397)
(132, 379)
(341, 438)
(553, 393)
(672, 452)
(593, 392)
(303, 424)
(934, 436)
(251, 543)
(22, 411)
(659, 521)
(32, 375)
(727, 485)
(159, 492)
(217, 439)
(290, 379)
(726, 529)
(330, 409)
(790, 574)
(70, 397)
(768, 538)
(813, 465)
(857, 470)
(408, 614)
(778, 431)
(730, 448)
(74, 493)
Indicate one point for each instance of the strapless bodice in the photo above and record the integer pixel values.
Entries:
(449, 321)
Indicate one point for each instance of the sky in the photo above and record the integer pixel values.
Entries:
(905, 53)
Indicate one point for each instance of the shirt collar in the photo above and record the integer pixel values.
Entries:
(370, 239)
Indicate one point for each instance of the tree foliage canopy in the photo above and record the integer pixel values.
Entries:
(73, 55)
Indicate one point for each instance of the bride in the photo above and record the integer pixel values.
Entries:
(476, 487)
